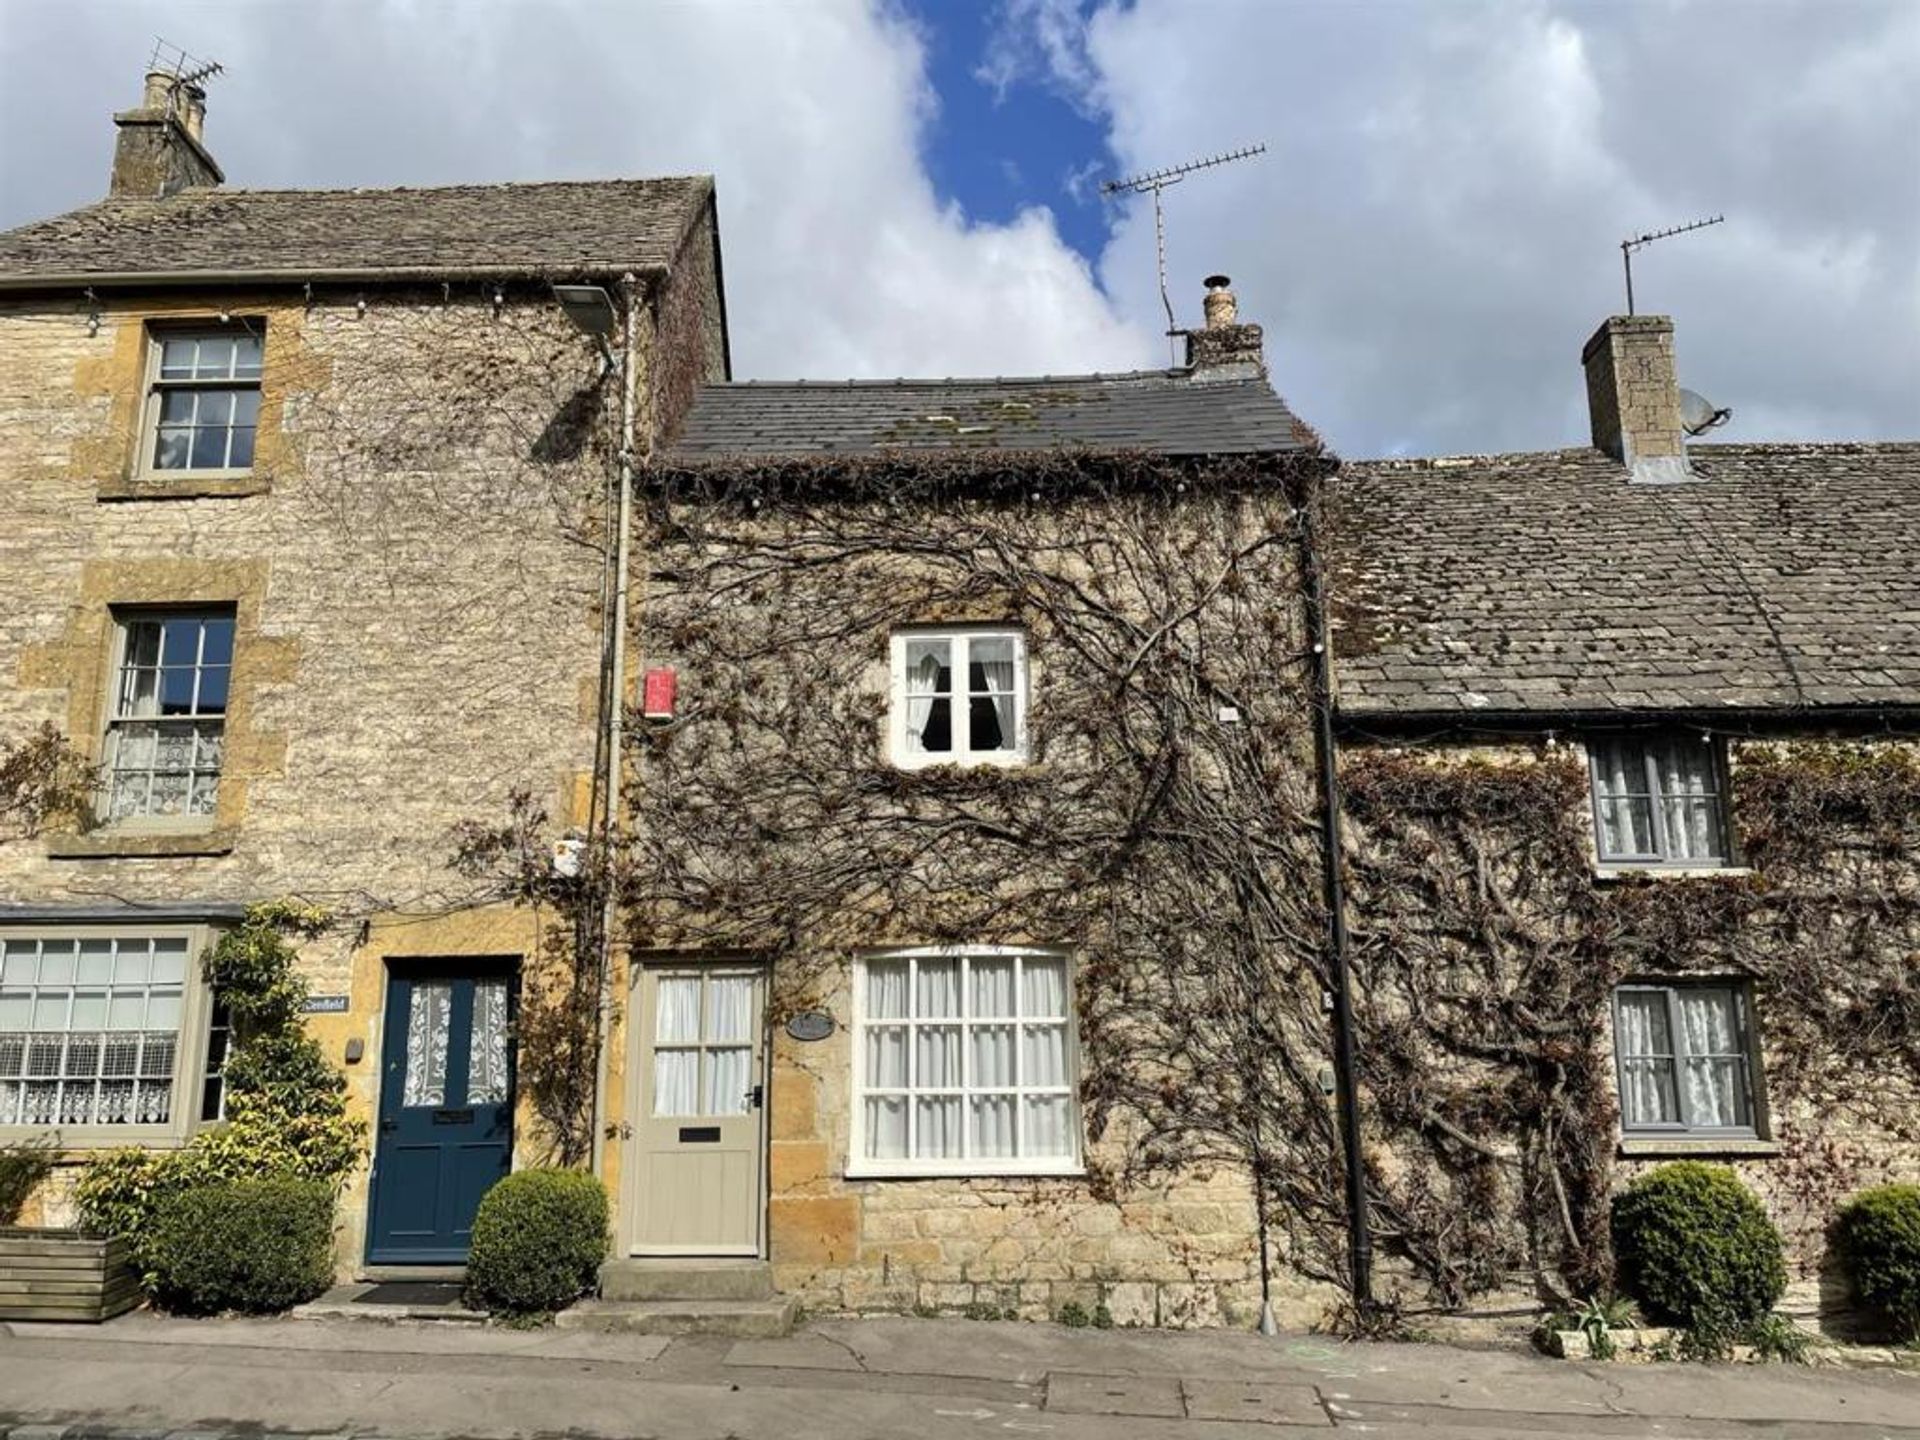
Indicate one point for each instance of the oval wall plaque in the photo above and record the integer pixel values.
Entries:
(810, 1025)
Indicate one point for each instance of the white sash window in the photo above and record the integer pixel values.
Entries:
(964, 1063)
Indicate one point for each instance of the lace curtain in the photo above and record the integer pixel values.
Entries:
(1646, 1061)
(990, 681)
(429, 1017)
(1716, 1061)
(487, 1048)
(1669, 809)
(703, 1069)
(1711, 1061)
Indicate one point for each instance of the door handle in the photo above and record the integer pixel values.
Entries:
(756, 1097)
(387, 1127)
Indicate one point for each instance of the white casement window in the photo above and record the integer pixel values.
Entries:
(203, 400)
(102, 1034)
(959, 697)
(166, 718)
(1685, 1058)
(964, 1064)
(1659, 801)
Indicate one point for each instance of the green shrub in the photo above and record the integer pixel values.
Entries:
(23, 1169)
(286, 1105)
(538, 1241)
(1074, 1315)
(1879, 1241)
(1695, 1248)
(259, 1246)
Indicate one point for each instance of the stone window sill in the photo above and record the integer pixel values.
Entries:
(184, 487)
(880, 1170)
(136, 844)
(1608, 874)
(1732, 1147)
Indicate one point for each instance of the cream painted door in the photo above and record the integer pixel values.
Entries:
(701, 1080)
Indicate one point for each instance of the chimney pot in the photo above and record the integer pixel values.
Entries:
(1220, 305)
(159, 93)
(1633, 399)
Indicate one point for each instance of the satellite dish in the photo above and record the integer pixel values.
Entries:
(1699, 414)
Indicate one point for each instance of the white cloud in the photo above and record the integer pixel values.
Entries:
(1430, 238)
(840, 259)
(1435, 230)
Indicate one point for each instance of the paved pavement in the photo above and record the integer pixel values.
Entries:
(881, 1379)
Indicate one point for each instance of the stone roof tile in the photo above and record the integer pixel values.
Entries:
(550, 228)
(1788, 575)
(1160, 411)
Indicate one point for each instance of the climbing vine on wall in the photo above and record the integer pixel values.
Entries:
(1486, 954)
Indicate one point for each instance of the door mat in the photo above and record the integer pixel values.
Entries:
(410, 1292)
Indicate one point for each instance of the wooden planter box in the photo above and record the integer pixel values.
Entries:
(64, 1275)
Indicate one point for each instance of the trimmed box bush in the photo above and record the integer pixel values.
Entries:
(538, 1241)
(257, 1245)
(1879, 1241)
(1695, 1248)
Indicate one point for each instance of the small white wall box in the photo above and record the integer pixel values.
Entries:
(567, 855)
(657, 692)
(1229, 714)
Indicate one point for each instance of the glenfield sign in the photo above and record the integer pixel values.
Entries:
(810, 1025)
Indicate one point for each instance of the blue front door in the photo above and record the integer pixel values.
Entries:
(446, 1109)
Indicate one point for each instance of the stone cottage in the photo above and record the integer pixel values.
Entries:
(308, 546)
(985, 785)
(1634, 822)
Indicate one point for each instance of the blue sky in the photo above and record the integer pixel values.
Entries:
(909, 187)
(999, 146)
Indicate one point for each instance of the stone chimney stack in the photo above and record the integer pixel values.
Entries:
(1633, 398)
(1225, 349)
(159, 148)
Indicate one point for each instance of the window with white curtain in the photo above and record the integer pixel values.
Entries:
(703, 1041)
(1658, 800)
(1685, 1059)
(964, 1063)
(959, 697)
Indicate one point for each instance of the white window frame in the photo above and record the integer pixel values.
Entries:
(1751, 1074)
(114, 722)
(154, 387)
(1657, 860)
(190, 1049)
(861, 1166)
(960, 637)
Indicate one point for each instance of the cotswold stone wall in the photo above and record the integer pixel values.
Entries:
(1178, 1253)
(416, 586)
(415, 564)
(1154, 835)
(1488, 943)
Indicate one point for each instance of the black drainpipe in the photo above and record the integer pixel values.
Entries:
(1359, 1231)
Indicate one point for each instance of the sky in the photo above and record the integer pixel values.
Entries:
(912, 186)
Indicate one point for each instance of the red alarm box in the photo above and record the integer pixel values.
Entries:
(656, 694)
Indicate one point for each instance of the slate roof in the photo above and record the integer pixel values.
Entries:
(1788, 576)
(1161, 411)
(550, 228)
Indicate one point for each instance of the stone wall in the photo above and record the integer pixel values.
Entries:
(1179, 1254)
(415, 564)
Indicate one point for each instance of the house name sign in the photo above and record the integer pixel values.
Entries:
(810, 1025)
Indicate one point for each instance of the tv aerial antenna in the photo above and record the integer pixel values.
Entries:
(1154, 182)
(1638, 242)
(170, 59)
